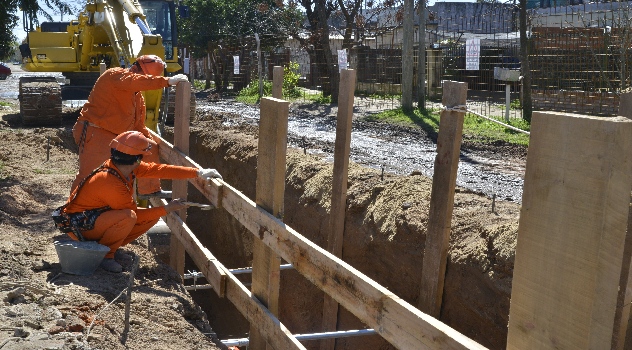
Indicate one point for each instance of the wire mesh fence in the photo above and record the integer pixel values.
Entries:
(579, 57)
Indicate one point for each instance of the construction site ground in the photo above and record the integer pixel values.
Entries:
(44, 308)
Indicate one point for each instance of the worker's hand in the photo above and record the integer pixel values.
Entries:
(208, 174)
(176, 204)
(174, 80)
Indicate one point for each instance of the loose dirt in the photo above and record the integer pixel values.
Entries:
(43, 308)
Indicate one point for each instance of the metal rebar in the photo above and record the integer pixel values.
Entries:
(311, 336)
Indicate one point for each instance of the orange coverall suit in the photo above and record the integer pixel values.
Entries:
(125, 221)
(115, 105)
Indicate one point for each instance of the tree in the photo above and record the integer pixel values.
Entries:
(527, 105)
(30, 10)
(213, 25)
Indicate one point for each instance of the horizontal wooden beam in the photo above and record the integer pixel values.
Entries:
(401, 324)
(398, 322)
(174, 157)
(214, 272)
(225, 284)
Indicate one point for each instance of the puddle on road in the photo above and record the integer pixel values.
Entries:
(401, 157)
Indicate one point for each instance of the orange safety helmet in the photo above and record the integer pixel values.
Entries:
(151, 64)
(133, 143)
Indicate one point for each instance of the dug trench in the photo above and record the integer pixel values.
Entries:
(385, 230)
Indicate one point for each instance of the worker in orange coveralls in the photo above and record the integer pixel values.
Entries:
(115, 105)
(123, 221)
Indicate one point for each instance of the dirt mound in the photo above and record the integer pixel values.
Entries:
(43, 308)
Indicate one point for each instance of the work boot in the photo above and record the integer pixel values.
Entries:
(110, 265)
(123, 258)
(157, 194)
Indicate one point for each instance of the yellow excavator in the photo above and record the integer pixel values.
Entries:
(110, 32)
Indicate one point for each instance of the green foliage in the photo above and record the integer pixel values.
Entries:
(475, 129)
(291, 77)
(199, 84)
(3, 103)
(250, 94)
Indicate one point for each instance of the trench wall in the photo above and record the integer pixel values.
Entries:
(384, 238)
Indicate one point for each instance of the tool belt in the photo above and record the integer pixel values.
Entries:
(82, 221)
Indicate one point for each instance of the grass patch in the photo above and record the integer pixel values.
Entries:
(2, 103)
(477, 129)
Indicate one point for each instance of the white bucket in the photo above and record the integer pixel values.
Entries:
(80, 258)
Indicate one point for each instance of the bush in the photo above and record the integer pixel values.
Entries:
(250, 94)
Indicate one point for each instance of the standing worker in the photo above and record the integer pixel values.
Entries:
(115, 105)
(108, 189)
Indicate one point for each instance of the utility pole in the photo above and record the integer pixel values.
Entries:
(421, 62)
(407, 57)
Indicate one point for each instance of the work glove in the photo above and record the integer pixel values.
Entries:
(208, 174)
(174, 80)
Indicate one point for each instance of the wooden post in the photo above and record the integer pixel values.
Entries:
(624, 299)
(277, 82)
(179, 187)
(572, 232)
(625, 105)
(269, 196)
(102, 68)
(442, 198)
(335, 237)
(407, 56)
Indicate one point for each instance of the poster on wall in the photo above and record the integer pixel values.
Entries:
(236, 64)
(472, 53)
(342, 60)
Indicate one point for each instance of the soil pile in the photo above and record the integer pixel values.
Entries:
(43, 308)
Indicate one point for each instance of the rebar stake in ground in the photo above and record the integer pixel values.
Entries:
(129, 298)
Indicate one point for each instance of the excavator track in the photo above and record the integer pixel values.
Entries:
(40, 101)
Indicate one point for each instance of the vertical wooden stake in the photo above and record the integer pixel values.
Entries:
(339, 192)
(442, 198)
(269, 196)
(179, 187)
(624, 299)
(572, 233)
(277, 82)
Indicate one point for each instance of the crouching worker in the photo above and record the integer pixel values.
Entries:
(104, 198)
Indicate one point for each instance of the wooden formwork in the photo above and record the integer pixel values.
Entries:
(401, 324)
(571, 269)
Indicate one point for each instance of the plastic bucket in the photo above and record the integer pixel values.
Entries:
(80, 258)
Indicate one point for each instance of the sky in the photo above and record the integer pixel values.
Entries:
(21, 34)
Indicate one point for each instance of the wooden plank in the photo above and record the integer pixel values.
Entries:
(442, 199)
(339, 193)
(624, 299)
(277, 82)
(571, 234)
(175, 157)
(397, 321)
(179, 187)
(214, 272)
(226, 284)
(270, 191)
(268, 325)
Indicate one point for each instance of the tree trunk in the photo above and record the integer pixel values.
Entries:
(330, 86)
(421, 63)
(527, 106)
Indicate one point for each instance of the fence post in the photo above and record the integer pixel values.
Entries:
(442, 198)
(179, 187)
(277, 82)
(335, 237)
(270, 190)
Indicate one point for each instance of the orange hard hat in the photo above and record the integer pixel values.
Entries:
(133, 143)
(151, 64)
